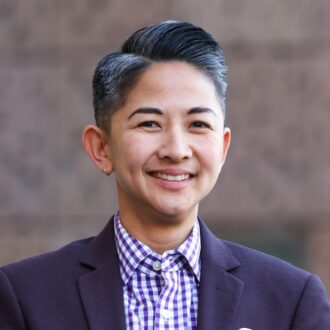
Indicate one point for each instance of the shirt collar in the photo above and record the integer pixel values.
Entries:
(132, 252)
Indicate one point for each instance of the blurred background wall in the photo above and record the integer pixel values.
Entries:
(273, 193)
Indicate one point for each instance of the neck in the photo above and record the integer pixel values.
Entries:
(159, 233)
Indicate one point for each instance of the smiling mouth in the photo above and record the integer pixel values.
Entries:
(170, 177)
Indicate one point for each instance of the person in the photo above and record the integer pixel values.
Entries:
(160, 129)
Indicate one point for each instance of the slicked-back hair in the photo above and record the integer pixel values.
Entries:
(117, 73)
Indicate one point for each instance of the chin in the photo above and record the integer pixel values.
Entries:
(177, 214)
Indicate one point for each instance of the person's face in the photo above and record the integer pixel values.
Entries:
(167, 144)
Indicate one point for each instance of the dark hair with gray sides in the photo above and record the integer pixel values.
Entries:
(116, 74)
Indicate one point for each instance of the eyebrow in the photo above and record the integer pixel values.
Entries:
(146, 110)
(192, 111)
(195, 110)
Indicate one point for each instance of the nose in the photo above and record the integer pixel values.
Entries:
(175, 145)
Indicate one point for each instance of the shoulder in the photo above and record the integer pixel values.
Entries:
(64, 260)
(270, 281)
(65, 265)
(250, 257)
(245, 262)
(255, 264)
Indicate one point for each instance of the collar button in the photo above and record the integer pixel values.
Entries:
(157, 266)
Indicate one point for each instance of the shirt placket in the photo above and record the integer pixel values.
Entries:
(165, 307)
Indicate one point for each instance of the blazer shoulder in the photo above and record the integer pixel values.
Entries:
(50, 262)
(299, 296)
(257, 262)
(249, 264)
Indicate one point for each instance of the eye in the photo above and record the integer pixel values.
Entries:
(200, 124)
(149, 124)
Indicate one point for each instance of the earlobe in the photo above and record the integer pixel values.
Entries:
(95, 143)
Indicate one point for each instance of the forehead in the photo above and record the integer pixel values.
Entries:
(173, 84)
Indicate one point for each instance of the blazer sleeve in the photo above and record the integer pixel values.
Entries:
(11, 317)
(313, 310)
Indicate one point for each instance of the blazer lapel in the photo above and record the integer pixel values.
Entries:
(102, 295)
(220, 291)
(101, 289)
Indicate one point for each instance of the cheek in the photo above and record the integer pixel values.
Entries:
(135, 149)
(211, 149)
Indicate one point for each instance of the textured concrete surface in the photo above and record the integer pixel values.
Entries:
(278, 169)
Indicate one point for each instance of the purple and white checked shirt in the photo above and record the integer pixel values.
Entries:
(160, 291)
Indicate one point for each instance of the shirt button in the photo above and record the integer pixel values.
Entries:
(157, 266)
(166, 314)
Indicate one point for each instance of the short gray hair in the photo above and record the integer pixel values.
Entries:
(117, 73)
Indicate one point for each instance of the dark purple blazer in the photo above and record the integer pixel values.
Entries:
(79, 287)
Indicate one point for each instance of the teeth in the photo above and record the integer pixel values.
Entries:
(169, 177)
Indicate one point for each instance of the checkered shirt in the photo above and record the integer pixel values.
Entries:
(160, 291)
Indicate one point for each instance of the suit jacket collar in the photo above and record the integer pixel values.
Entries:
(220, 291)
(101, 289)
(102, 295)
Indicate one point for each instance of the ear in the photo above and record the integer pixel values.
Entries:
(226, 144)
(95, 143)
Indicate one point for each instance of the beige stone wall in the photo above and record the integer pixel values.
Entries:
(278, 169)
